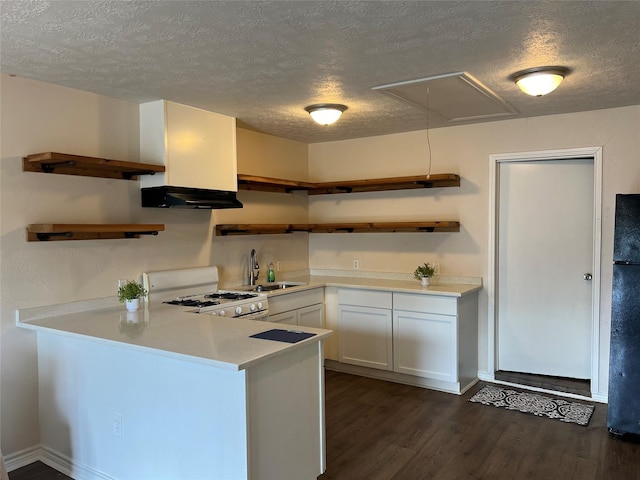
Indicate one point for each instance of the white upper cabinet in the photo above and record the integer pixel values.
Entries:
(197, 147)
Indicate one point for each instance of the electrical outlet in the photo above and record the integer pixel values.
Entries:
(117, 425)
(278, 266)
(436, 268)
(356, 264)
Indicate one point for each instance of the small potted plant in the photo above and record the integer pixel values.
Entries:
(130, 293)
(424, 274)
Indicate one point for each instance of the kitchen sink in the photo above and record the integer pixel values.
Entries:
(276, 286)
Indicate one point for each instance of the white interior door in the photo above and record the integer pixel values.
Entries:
(545, 246)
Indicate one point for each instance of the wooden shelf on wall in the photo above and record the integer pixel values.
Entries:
(383, 184)
(266, 184)
(65, 231)
(370, 227)
(66, 164)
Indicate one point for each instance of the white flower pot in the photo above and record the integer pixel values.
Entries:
(133, 305)
(424, 281)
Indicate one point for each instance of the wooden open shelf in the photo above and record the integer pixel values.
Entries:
(66, 164)
(266, 184)
(67, 231)
(382, 184)
(371, 227)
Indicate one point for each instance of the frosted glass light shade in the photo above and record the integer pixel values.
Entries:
(325, 113)
(539, 81)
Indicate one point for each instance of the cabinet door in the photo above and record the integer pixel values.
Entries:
(197, 147)
(287, 318)
(311, 316)
(365, 336)
(425, 345)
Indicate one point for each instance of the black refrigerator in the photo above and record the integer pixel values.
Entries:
(624, 362)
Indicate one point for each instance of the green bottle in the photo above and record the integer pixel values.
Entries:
(271, 274)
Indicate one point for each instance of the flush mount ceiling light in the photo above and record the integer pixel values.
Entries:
(539, 81)
(326, 113)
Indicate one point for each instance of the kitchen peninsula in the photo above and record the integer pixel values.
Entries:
(161, 393)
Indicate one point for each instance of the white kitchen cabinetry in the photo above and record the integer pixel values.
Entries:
(425, 345)
(197, 147)
(427, 340)
(365, 328)
(435, 337)
(304, 308)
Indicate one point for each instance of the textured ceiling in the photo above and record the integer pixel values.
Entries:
(264, 61)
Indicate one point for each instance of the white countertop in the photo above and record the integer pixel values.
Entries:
(384, 284)
(174, 331)
(170, 331)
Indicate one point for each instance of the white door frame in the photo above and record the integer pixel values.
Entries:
(494, 183)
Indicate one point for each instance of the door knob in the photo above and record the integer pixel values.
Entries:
(587, 276)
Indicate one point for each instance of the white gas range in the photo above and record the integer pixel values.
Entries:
(197, 288)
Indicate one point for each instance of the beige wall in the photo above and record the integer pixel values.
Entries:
(39, 117)
(464, 150)
(266, 156)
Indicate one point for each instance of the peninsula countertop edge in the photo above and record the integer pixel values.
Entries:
(168, 331)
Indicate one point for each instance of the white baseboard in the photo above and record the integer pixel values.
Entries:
(439, 385)
(56, 460)
(600, 397)
(21, 458)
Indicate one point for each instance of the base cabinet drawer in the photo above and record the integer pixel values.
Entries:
(311, 316)
(285, 318)
(304, 308)
(425, 345)
(440, 305)
(368, 298)
(365, 336)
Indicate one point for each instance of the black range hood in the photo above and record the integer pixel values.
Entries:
(183, 197)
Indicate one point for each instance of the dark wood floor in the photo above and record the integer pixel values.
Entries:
(37, 471)
(378, 430)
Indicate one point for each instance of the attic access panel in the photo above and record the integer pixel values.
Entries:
(455, 97)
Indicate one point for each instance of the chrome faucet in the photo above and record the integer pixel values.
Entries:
(254, 268)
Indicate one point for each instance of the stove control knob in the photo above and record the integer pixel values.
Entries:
(221, 313)
(252, 307)
(260, 305)
(238, 310)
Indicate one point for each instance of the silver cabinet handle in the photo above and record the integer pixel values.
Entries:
(587, 276)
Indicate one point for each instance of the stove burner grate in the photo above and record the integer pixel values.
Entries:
(230, 295)
(192, 303)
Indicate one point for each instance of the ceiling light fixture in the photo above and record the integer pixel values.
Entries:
(539, 81)
(325, 113)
